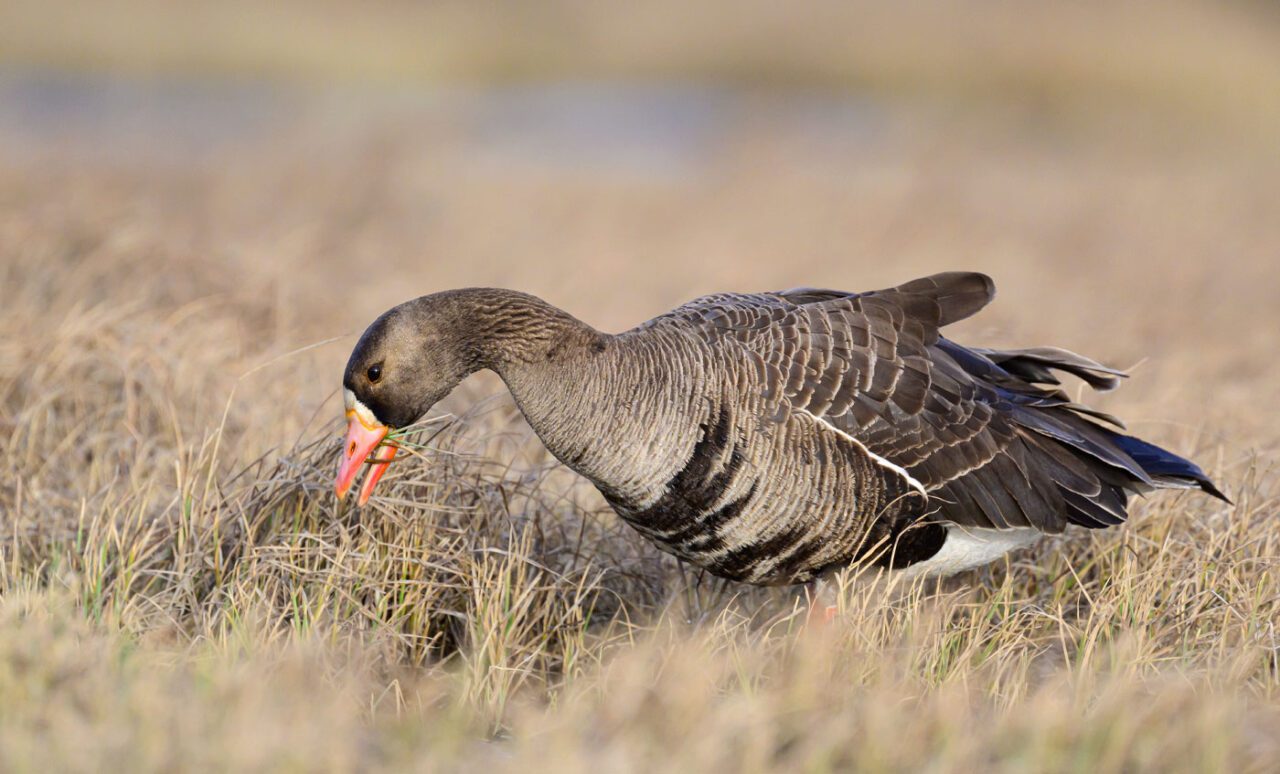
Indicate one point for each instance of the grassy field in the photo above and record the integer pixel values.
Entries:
(183, 270)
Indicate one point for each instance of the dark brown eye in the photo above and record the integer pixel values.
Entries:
(375, 372)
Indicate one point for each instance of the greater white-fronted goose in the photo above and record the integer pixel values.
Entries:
(773, 437)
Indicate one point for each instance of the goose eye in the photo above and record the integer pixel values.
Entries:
(375, 372)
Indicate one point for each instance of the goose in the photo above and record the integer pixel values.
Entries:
(773, 438)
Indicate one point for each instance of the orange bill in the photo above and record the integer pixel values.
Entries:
(362, 441)
(382, 456)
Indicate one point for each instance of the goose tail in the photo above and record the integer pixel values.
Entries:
(1166, 468)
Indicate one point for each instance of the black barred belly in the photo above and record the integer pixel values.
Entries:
(692, 516)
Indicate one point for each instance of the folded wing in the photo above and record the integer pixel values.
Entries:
(985, 432)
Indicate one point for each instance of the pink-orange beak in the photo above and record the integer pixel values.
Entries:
(364, 443)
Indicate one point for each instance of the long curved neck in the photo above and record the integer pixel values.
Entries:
(505, 330)
(554, 364)
(614, 409)
(620, 410)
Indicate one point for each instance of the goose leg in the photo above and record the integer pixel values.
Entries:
(820, 594)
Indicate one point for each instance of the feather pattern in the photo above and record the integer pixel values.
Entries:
(771, 437)
(973, 437)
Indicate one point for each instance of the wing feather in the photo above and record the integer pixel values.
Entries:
(977, 428)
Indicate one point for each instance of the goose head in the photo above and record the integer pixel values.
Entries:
(415, 354)
(405, 362)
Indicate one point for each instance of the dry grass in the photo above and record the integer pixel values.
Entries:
(179, 589)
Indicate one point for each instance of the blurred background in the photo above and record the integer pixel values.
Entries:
(1112, 165)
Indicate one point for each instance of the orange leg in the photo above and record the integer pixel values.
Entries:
(820, 596)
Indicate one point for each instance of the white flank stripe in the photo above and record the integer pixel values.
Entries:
(879, 460)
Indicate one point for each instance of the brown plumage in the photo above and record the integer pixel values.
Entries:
(772, 437)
